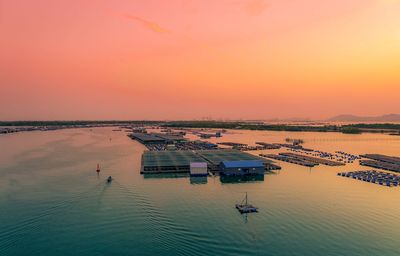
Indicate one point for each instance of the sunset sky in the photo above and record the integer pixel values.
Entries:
(189, 59)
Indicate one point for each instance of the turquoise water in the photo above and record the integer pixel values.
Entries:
(53, 203)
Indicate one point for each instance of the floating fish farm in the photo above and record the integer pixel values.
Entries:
(382, 158)
(174, 161)
(380, 165)
(268, 145)
(372, 176)
(289, 160)
(215, 157)
(390, 163)
(161, 142)
(338, 156)
(168, 161)
(232, 144)
(156, 138)
(312, 159)
(183, 145)
(301, 159)
(245, 147)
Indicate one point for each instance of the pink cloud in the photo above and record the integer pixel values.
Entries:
(147, 24)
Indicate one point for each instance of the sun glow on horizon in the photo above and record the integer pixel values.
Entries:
(185, 59)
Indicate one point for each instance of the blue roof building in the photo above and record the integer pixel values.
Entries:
(243, 167)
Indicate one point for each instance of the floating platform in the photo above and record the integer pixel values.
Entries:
(232, 144)
(290, 160)
(382, 158)
(156, 138)
(268, 145)
(381, 165)
(182, 145)
(215, 157)
(312, 159)
(178, 161)
(373, 176)
(145, 138)
(389, 163)
(168, 161)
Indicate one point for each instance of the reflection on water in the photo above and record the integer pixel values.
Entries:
(241, 179)
(53, 202)
(165, 175)
(198, 180)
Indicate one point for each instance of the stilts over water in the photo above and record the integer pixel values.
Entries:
(244, 207)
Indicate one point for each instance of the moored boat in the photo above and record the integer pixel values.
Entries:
(245, 207)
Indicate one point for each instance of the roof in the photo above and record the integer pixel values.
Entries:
(242, 164)
(215, 157)
(169, 158)
(169, 136)
(147, 137)
(198, 164)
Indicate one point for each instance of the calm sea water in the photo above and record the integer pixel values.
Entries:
(53, 203)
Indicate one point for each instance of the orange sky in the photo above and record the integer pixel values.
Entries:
(189, 59)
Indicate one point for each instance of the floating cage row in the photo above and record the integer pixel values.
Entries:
(381, 178)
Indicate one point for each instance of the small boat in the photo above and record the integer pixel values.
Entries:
(244, 207)
(109, 179)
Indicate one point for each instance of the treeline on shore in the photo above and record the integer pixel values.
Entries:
(78, 122)
(381, 126)
(392, 128)
(348, 129)
(248, 126)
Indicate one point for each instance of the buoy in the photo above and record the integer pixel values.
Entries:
(98, 168)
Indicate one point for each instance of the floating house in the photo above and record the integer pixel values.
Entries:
(171, 147)
(198, 169)
(145, 138)
(241, 168)
(178, 161)
(168, 161)
(156, 138)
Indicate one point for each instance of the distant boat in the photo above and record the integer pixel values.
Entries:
(109, 179)
(98, 168)
(245, 207)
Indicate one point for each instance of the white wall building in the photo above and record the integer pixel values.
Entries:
(198, 169)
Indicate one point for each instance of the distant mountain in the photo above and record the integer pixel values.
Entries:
(353, 118)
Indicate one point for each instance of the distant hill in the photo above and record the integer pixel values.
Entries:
(353, 118)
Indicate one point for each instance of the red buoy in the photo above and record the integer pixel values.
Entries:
(98, 168)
